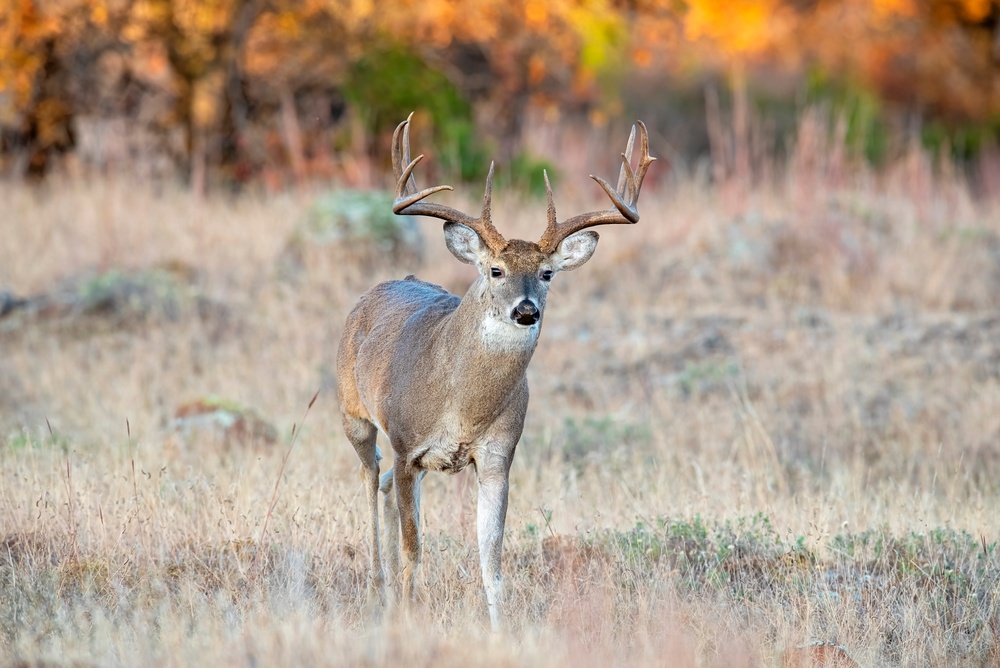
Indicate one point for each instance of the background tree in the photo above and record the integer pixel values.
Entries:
(303, 86)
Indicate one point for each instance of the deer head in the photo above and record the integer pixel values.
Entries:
(515, 275)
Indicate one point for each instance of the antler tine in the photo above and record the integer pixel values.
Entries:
(408, 198)
(400, 147)
(628, 159)
(402, 167)
(486, 215)
(551, 202)
(624, 197)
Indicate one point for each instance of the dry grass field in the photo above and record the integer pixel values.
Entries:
(764, 431)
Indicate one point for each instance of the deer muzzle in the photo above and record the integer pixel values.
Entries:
(526, 313)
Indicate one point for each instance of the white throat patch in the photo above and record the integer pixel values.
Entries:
(505, 336)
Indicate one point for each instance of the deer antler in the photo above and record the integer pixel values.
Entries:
(624, 197)
(408, 198)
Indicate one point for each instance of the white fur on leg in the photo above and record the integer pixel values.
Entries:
(490, 515)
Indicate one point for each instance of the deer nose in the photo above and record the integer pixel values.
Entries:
(525, 313)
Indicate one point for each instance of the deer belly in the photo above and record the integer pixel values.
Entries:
(446, 455)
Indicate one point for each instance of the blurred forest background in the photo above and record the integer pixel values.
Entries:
(764, 422)
(228, 92)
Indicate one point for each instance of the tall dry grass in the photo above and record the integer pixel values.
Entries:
(764, 430)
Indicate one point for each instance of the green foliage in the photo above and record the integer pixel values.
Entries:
(604, 36)
(867, 132)
(214, 402)
(868, 128)
(461, 151)
(953, 567)
(736, 552)
(941, 552)
(23, 440)
(731, 554)
(360, 216)
(526, 174)
(129, 292)
(601, 438)
(702, 377)
(533, 531)
(18, 440)
(962, 141)
(389, 82)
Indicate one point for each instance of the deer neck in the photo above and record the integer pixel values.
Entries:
(497, 348)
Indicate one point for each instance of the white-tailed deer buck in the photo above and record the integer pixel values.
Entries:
(444, 378)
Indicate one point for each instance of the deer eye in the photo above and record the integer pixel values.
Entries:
(496, 272)
(547, 275)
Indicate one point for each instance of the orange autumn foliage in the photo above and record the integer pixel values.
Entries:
(939, 56)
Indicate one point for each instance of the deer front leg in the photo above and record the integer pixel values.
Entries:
(491, 513)
(406, 480)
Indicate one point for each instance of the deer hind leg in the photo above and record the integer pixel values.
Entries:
(362, 433)
(390, 524)
(406, 480)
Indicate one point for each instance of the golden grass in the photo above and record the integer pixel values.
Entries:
(761, 419)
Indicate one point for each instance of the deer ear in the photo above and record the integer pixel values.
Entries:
(464, 243)
(574, 250)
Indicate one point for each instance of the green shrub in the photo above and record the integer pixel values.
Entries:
(525, 173)
(867, 132)
(389, 82)
(360, 216)
(603, 439)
